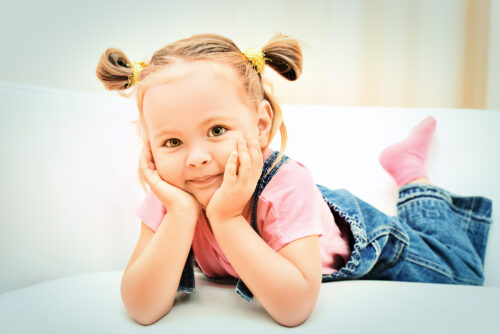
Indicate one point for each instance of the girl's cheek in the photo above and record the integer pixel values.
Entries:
(169, 171)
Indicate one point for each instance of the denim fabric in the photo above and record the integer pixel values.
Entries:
(186, 283)
(436, 236)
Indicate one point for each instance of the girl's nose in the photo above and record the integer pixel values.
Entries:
(198, 157)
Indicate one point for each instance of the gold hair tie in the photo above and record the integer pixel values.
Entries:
(256, 57)
(137, 67)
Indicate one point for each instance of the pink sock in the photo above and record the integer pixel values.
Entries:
(405, 161)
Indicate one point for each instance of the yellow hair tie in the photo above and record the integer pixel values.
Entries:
(256, 57)
(137, 67)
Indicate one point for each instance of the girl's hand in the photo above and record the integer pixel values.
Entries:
(175, 199)
(238, 184)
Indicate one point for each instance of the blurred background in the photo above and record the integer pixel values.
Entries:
(406, 53)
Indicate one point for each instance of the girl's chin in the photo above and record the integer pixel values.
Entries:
(204, 198)
(203, 203)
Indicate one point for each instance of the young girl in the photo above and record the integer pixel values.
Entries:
(220, 198)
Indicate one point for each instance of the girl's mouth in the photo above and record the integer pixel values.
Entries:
(206, 181)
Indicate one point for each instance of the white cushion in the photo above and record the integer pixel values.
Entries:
(91, 303)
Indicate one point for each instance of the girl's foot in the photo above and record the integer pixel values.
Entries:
(405, 161)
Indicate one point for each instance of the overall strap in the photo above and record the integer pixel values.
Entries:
(264, 179)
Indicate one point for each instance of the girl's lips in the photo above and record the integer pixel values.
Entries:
(205, 181)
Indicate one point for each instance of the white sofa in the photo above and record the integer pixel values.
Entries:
(69, 190)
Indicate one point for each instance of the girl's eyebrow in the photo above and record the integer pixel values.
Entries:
(208, 120)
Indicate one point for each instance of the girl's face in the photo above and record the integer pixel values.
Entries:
(194, 123)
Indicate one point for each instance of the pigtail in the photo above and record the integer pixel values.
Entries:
(114, 70)
(284, 55)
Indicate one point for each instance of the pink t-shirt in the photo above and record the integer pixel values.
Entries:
(289, 208)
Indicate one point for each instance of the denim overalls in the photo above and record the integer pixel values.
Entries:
(436, 236)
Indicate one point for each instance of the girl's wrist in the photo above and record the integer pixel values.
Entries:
(218, 215)
(218, 219)
(185, 214)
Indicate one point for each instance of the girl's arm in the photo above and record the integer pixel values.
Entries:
(286, 283)
(151, 279)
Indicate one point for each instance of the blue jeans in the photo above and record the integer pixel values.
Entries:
(436, 236)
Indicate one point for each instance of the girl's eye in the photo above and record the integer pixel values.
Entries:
(173, 142)
(217, 130)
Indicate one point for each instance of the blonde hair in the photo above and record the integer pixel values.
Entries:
(283, 54)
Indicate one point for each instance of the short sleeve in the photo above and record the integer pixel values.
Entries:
(291, 206)
(151, 211)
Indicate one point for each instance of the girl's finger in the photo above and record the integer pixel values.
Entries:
(245, 161)
(253, 149)
(149, 153)
(255, 155)
(146, 164)
(143, 159)
(252, 142)
(143, 167)
(230, 171)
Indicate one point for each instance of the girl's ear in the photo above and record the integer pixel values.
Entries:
(264, 122)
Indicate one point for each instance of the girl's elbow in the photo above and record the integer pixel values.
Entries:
(145, 321)
(292, 321)
(146, 318)
(295, 316)
(140, 309)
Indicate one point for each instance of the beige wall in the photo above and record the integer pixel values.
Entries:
(493, 83)
(415, 53)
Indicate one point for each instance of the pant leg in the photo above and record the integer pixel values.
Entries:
(379, 241)
(436, 237)
(448, 235)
